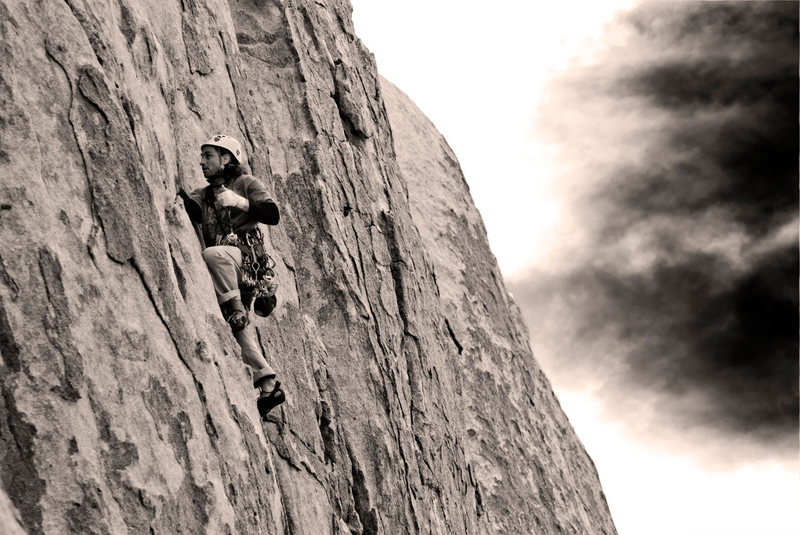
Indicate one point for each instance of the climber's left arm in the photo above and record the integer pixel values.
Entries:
(262, 208)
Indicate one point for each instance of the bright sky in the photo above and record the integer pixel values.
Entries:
(478, 71)
(654, 493)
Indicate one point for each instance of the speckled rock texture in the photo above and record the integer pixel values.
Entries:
(414, 404)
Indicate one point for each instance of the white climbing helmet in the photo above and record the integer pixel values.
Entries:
(228, 143)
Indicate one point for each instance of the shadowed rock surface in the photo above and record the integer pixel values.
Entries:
(414, 403)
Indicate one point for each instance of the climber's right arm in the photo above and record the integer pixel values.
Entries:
(191, 202)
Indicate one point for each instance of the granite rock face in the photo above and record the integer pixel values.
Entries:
(534, 474)
(414, 403)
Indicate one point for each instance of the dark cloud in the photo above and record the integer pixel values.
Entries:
(753, 151)
(681, 291)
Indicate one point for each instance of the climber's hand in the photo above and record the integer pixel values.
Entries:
(229, 199)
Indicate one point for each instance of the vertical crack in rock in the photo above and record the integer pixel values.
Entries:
(249, 507)
(453, 337)
(398, 268)
(253, 511)
(410, 502)
(367, 515)
(247, 115)
(179, 276)
(478, 496)
(326, 417)
(157, 309)
(350, 103)
(243, 124)
(397, 264)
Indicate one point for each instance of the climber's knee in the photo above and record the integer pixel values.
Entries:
(217, 255)
(234, 313)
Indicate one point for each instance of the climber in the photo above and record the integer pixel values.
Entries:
(229, 210)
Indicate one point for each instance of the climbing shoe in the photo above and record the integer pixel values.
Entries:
(269, 400)
(234, 313)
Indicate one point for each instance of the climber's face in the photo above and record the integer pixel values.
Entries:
(211, 161)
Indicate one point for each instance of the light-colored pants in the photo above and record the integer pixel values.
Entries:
(225, 265)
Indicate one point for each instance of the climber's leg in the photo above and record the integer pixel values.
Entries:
(224, 263)
(252, 355)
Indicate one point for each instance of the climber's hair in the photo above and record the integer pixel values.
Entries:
(231, 169)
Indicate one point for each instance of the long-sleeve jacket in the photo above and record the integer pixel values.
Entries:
(202, 208)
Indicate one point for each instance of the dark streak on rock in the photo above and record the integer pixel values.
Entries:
(398, 264)
(328, 433)
(131, 112)
(89, 25)
(309, 27)
(57, 322)
(453, 336)
(178, 274)
(88, 515)
(8, 280)
(19, 475)
(253, 510)
(9, 349)
(127, 23)
(56, 52)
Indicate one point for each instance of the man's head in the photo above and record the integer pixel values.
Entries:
(219, 153)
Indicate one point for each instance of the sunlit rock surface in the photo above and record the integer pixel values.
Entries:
(533, 473)
(414, 404)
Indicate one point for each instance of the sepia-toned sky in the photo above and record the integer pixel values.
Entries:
(636, 165)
